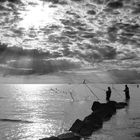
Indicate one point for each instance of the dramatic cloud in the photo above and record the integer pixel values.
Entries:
(70, 34)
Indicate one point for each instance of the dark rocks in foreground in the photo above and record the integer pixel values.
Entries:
(65, 136)
(93, 122)
(51, 138)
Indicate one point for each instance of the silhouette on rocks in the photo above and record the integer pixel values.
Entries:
(100, 112)
(108, 94)
(126, 90)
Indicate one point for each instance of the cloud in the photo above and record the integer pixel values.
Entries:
(24, 61)
(97, 53)
(126, 55)
(26, 66)
(54, 65)
(124, 76)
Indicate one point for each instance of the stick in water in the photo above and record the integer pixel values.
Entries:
(84, 82)
(71, 96)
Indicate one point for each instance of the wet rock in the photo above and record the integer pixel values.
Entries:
(105, 114)
(112, 104)
(121, 105)
(96, 105)
(68, 136)
(87, 126)
(65, 136)
(104, 108)
(94, 121)
(91, 123)
(115, 5)
(76, 127)
(50, 138)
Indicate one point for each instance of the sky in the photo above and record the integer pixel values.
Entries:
(98, 40)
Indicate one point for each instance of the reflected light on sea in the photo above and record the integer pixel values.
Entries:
(34, 112)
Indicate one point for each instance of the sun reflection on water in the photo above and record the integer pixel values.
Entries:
(33, 101)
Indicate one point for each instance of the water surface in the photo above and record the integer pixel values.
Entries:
(34, 111)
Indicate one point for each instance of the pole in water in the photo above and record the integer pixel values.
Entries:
(84, 82)
(71, 96)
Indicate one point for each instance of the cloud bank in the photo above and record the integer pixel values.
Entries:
(100, 35)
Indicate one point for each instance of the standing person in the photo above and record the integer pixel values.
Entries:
(126, 90)
(108, 94)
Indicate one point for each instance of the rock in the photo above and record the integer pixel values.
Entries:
(68, 136)
(87, 126)
(86, 131)
(112, 104)
(105, 114)
(94, 121)
(50, 138)
(76, 127)
(96, 106)
(103, 106)
(117, 105)
(91, 123)
(121, 105)
(65, 136)
(104, 110)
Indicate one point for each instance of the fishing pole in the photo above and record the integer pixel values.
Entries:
(96, 86)
(84, 82)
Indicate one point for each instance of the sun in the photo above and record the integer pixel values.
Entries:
(37, 16)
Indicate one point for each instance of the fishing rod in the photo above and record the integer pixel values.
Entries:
(84, 82)
(105, 90)
(96, 86)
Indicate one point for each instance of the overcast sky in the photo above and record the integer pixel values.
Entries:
(71, 36)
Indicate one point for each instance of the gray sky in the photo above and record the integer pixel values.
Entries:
(71, 36)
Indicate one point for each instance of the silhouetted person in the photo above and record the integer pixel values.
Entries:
(84, 82)
(126, 90)
(108, 94)
(137, 86)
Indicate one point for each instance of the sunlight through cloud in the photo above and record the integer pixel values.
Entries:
(37, 16)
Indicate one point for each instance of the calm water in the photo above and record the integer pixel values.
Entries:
(33, 111)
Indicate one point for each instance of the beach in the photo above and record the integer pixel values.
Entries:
(35, 111)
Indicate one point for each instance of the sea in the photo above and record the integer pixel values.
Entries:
(35, 111)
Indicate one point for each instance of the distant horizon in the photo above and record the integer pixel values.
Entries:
(100, 77)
